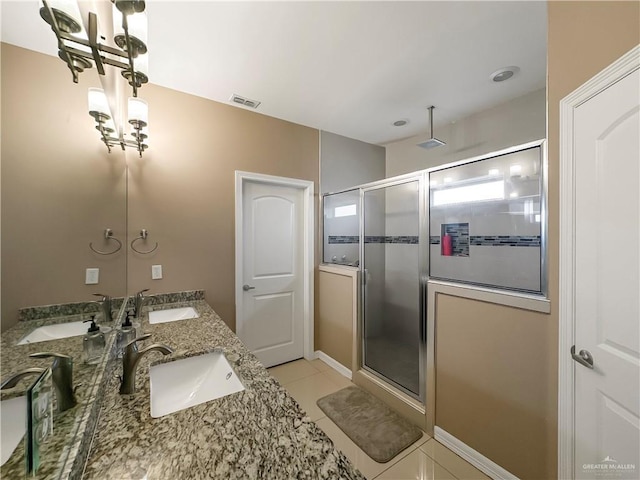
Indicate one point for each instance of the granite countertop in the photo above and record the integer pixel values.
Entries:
(61, 450)
(259, 433)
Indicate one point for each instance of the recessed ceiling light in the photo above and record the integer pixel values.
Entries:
(504, 73)
(400, 123)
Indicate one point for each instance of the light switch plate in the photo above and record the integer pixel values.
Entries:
(156, 272)
(91, 276)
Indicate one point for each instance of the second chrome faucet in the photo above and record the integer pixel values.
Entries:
(131, 358)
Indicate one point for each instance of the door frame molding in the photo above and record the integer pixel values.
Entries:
(619, 69)
(308, 246)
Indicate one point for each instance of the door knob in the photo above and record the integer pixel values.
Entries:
(246, 287)
(583, 358)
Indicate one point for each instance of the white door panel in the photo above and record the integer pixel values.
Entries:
(607, 281)
(271, 324)
(274, 253)
(269, 327)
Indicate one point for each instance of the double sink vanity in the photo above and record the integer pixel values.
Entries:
(203, 406)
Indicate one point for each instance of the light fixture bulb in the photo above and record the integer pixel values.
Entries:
(141, 64)
(137, 27)
(138, 112)
(98, 105)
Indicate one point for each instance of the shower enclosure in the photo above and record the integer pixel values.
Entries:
(393, 333)
(478, 225)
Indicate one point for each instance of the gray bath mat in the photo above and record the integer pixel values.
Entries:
(373, 426)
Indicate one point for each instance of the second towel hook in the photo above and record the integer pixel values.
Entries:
(143, 236)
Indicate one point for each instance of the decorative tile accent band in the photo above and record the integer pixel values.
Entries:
(346, 239)
(498, 240)
(475, 240)
(506, 240)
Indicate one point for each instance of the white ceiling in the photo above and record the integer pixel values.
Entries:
(351, 68)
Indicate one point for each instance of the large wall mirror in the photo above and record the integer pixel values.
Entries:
(60, 190)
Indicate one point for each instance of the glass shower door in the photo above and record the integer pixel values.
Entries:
(393, 328)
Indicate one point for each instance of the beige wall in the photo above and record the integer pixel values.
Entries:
(60, 188)
(182, 189)
(334, 324)
(495, 401)
(493, 385)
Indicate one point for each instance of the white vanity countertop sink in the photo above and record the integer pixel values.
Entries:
(172, 315)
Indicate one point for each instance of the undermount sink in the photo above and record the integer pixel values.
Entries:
(55, 332)
(13, 413)
(185, 383)
(172, 315)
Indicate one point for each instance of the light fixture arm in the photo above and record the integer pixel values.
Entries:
(132, 72)
(68, 53)
(61, 46)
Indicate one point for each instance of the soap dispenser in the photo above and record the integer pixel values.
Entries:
(126, 334)
(93, 342)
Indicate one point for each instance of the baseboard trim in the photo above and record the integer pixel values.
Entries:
(475, 458)
(337, 366)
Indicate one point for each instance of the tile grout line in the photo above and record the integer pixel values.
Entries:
(401, 459)
(436, 461)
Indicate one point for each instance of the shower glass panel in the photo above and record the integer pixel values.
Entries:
(392, 320)
(486, 222)
(341, 227)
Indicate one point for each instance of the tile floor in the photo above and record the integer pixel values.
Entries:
(426, 459)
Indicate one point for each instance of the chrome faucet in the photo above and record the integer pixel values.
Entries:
(139, 303)
(132, 357)
(62, 374)
(105, 303)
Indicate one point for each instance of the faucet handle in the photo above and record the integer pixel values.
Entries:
(15, 378)
(60, 360)
(50, 354)
(138, 339)
(142, 291)
(104, 297)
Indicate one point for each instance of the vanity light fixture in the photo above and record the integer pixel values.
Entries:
(80, 50)
(138, 118)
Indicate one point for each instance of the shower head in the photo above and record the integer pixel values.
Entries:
(433, 141)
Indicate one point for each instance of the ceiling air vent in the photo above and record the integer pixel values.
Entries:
(244, 101)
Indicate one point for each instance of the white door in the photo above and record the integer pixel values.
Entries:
(271, 320)
(607, 283)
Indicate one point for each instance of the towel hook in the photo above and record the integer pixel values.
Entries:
(108, 235)
(143, 236)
